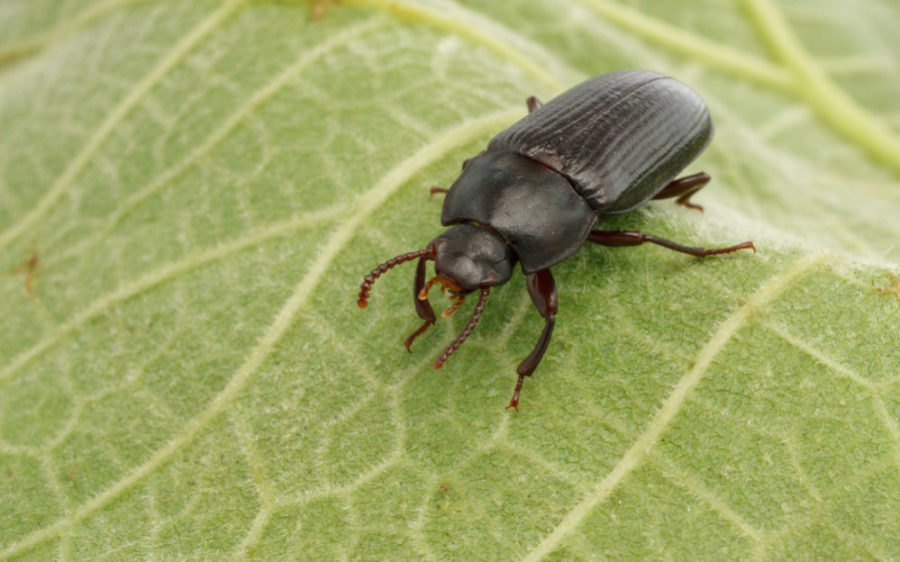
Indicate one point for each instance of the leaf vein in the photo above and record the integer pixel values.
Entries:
(64, 182)
(363, 207)
(487, 33)
(38, 41)
(880, 407)
(715, 54)
(810, 82)
(168, 273)
(259, 98)
(670, 470)
(247, 441)
(674, 403)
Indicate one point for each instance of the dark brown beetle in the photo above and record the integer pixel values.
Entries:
(603, 148)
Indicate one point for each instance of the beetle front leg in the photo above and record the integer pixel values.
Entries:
(542, 289)
(684, 188)
(423, 307)
(634, 238)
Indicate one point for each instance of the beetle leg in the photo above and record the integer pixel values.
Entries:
(542, 289)
(635, 238)
(533, 103)
(435, 189)
(684, 188)
(423, 307)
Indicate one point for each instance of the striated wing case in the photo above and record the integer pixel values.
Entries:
(619, 138)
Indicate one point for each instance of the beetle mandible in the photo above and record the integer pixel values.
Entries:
(602, 148)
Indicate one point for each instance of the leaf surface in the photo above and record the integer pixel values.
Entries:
(191, 192)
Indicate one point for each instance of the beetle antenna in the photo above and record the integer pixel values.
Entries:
(369, 279)
(476, 315)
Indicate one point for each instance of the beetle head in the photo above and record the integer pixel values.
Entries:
(468, 257)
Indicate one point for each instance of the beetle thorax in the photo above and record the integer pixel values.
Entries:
(472, 257)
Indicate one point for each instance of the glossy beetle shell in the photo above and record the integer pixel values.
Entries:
(619, 137)
(604, 147)
(534, 209)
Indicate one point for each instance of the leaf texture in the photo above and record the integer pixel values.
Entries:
(191, 192)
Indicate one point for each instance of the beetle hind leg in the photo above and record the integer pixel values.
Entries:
(615, 238)
(684, 188)
(542, 289)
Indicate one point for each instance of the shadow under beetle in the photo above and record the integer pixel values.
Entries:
(605, 147)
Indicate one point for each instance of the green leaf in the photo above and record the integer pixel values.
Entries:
(191, 193)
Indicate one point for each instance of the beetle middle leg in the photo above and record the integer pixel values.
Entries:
(542, 289)
(684, 188)
(634, 238)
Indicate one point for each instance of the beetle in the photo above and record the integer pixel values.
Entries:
(600, 149)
